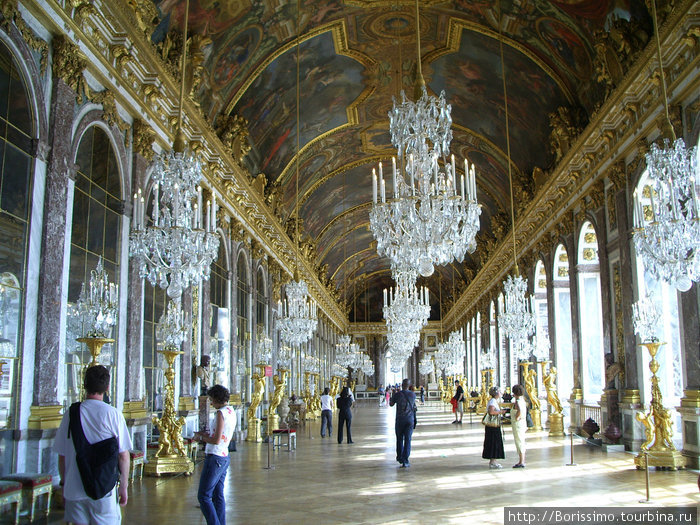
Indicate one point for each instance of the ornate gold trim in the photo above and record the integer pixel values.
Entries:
(135, 410)
(631, 396)
(45, 417)
(185, 404)
(690, 399)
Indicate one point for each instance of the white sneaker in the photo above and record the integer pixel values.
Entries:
(495, 465)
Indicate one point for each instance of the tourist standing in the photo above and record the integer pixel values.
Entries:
(326, 413)
(459, 407)
(216, 459)
(99, 422)
(380, 393)
(405, 401)
(422, 395)
(344, 403)
(493, 438)
(518, 419)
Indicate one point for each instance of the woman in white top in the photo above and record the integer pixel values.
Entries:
(216, 461)
(493, 439)
(518, 419)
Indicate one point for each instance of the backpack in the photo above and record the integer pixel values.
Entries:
(98, 463)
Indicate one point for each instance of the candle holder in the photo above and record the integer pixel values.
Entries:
(530, 380)
(658, 446)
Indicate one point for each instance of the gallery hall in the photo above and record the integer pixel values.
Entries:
(348, 261)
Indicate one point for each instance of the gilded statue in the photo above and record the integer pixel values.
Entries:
(551, 387)
(256, 397)
(441, 387)
(645, 419)
(531, 387)
(170, 441)
(279, 381)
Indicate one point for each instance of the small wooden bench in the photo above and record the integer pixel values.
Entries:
(11, 494)
(291, 438)
(33, 486)
(138, 458)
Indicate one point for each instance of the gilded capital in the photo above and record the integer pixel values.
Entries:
(617, 175)
(68, 64)
(144, 136)
(109, 109)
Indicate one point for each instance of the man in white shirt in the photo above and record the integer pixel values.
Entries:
(99, 422)
(326, 413)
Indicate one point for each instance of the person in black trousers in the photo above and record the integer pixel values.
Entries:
(405, 401)
(344, 402)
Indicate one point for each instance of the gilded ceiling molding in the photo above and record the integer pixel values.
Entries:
(109, 109)
(369, 249)
(232, 130)
(82, 10)
(333, 242)
(617, 176)
(68, 65)
(341, 217)
(11, 15)
(596, 195)
(454, 39)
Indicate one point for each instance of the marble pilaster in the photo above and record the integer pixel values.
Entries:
(54, 239)
(186, 363)
(571, 250)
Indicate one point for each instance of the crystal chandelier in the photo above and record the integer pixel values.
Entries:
(171, 330)
(98, 306)
(451, 352)
(285, 354)
(263, 347)
(487, 360)
(406, 307)
(669, 241)
(434, 215)
(516, 318)
(426, 365)
(645, 317)
(345, 351)
(297, 313)
(175, 249)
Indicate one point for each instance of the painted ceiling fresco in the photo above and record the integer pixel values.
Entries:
(354, 56)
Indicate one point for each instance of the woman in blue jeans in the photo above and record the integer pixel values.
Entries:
(216, 461)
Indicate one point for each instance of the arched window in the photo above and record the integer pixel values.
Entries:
(220, 319)
(542, 327)
(665, 297)
(242, 330)
(591, 314)
(261, 304)
(16, 174)
(96, 232)
(562, 322)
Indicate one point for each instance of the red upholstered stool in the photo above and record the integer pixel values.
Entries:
(33, 486)
(137, 460)
(291, 438)
(11, 493)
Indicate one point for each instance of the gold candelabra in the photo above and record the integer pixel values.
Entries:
(254, 434)
(171, 456)
(658, 425)
(306, 396)
(280, 381)
(530, 380)
(316, 398)
(556, 417)
(484, 394)
(95, 345)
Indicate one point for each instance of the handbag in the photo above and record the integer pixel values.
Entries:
(491, 420)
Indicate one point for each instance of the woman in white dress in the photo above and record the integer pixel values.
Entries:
(518, 415)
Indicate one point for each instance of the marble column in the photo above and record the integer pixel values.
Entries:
(576, 398)
(49, 343)
(690, 402)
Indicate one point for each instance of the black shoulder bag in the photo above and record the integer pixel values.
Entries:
(98, 463)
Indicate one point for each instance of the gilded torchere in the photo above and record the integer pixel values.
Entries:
(171, 456)
(658, 425)
(484, 394)
(556, 417)
(254, 433)
(530, 380)
(95, 345)
(280, 381)
(307, 397)
(316, 398)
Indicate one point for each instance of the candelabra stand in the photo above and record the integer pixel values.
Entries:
(306, 396)
(530, 380)
(335, 387)
(254, 434)
(171, 456)
(556, 417)
(484, 395)
(95, 345)
(316, 399)
(280, 381)
(658, 425)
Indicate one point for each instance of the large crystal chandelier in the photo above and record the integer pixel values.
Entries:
(516, 318)
(98, 306)
(434, 215)
(645, 317)
(426, 365)
(176, 248)
(345, 351)
(297, 313)
(668, 240)
(450, 353)
(171, 329)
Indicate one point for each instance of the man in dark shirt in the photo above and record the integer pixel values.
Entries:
(459, 408)
(405, 402)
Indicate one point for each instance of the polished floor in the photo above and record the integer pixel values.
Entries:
(448, 482)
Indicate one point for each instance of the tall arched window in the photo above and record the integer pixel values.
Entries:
(16, 174)
(220, 334)
(96, 232)
(542, 327)
(591, 314)
(242, 335)
(261, 303)
(562, 321)
(665, 297)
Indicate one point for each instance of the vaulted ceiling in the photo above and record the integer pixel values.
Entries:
(354, 56)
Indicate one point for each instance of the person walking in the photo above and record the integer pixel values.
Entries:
(422, 395)
(493, 438)
(380, 394)
(216, 459)
(326, 413)
(99, 422)
(459, 407)
(344, 403)
(518, 418)
(405, 401)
